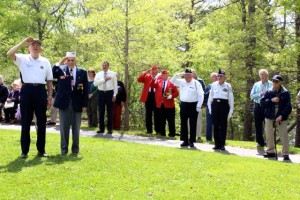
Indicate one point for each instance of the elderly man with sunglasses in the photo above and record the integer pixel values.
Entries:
(220, 105)
(71, 99)
(277, 105)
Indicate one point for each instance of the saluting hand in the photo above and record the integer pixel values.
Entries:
(28, 40)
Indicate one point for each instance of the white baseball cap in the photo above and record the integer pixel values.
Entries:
(70, 54)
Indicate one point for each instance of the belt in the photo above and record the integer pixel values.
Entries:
(34, 84)
(220, 100)
(104, 91)
(258, 104)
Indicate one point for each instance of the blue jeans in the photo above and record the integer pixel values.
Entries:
(208, 125)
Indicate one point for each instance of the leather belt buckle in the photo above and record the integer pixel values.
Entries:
(218, 100)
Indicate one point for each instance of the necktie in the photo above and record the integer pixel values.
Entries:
(104, 84)
(72, 79)
(163, 88)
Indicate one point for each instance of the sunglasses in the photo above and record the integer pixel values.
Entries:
(275, 81)
(220, 76)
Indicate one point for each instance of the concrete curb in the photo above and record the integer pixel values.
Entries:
(161, 142)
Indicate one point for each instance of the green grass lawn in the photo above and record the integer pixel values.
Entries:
(108, 169)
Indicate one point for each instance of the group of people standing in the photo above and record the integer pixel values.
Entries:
(159, 93)
(76, 91)
(272, 107)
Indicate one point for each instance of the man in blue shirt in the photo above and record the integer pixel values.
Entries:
(257, 92)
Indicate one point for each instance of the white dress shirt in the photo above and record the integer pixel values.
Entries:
(189, 92)
(223, 91)
(34, 70)
(103, 85)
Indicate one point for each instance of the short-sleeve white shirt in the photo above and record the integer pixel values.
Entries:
(34, 70)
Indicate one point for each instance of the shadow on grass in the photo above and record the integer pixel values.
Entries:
(19, 163)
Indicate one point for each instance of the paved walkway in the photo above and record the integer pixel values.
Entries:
(161, 142)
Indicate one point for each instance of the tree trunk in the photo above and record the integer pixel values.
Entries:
(250, 65)
(297, 30)
(126, 76)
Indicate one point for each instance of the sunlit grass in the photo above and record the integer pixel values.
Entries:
(108, 169)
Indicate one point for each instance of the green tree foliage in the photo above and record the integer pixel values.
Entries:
(133, 34)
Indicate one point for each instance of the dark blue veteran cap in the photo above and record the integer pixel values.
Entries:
(221, 72)
(187, 70)
(277, 78)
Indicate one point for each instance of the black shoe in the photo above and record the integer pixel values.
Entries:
(109, 132)
(216, 148)
(222, 148)
(184, 144)
(171, 135)
(192, 145)
(23, 155)
(100, 131)
(75, 154)
(43, 155)
(51, 123)
(286, 158)
(269, 155)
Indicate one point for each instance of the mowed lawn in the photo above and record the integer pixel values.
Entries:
(108, 169)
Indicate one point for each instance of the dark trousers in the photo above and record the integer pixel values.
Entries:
(166, 114)
(10, 113)
(33, 100)
(92, 112)
(259, 118)
(220, 110)
(105, 100)
(209, 125)
(151, 108)
(188, 112)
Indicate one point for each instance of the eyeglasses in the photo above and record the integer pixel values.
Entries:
(69, 60)
(275, 81)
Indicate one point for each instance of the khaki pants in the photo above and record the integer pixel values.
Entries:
(199, 125)
(282, 130)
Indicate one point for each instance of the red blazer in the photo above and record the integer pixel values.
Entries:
(146, 79)
(159, 98)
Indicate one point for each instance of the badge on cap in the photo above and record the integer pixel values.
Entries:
(188, 71)
(221, 72)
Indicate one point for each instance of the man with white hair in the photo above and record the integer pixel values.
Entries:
(257, 92)
(209, 124)
(35, 73)
(71, 99)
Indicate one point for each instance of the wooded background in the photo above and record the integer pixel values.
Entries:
(238, 36)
